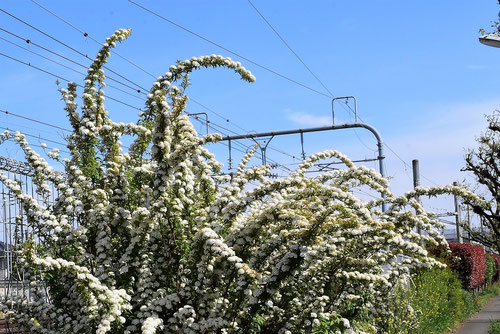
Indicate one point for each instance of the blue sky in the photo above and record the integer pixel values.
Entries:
(416, 68)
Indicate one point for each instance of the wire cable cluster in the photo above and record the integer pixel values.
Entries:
(137, 88)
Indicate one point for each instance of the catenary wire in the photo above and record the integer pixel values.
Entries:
(310, 71)
(64, 79)
(86, 35)
(27, 134)
(167, 20)
(218, 45)
(290, 48)
(28, 41)
(305, 65)
(34, 120)
(111, 98)
(408, 165)
(228, 50)
(67, 46)
(195, 101)
(66, 67)
(90, 37)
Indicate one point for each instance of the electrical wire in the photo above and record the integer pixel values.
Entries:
(28, 41)
(290, 48)
(365, 193)
(228, 50)
(35, 145)
(408, 165)
(216, 113)
(34, 120)
(64, 79)
(34, 136)
(143, 89)
(201, 37)
(66, 67)
(68, 46)
(397, 155)
(310, 71)
(307, 67)
(211, 125)
(195, 101)
(86, 35)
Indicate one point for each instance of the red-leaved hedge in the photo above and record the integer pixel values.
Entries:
(497, 259)
(470, 265)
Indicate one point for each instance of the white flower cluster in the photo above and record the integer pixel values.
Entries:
(148, 242)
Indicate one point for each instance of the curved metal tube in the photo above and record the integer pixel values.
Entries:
(368, 127)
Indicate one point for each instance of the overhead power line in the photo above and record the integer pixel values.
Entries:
(348, 108)
(408, 165)
(126, 79)
(63, 79)
(27, 134)
(228, 50)
(67, 67)
(86, 35)
(35, 145)
(211, 125)
(67, 46)
(28, 41)
(84, 55)
(34, 120)
(290, 48)
(109, 97)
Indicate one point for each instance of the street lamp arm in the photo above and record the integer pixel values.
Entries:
(491, 40)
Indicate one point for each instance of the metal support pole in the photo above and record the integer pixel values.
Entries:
(263, 151)
(458, 216)
(346, 98)
(229, 160)
(468, 223)
(195, 115)
(416, 183)
(302, 145)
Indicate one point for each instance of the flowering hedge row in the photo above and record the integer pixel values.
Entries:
(470, 265)
(165, 244)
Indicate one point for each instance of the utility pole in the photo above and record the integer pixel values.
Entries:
(458, 216)
(468, 222)
(416, 182)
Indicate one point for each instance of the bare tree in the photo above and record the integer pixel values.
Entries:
(484, 163)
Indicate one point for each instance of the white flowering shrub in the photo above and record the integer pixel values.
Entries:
(152, 241)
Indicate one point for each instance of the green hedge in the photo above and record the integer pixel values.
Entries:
(491, 269)
(438, 300)
(433, 303)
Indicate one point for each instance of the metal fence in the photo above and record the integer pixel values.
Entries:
(14, 230)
